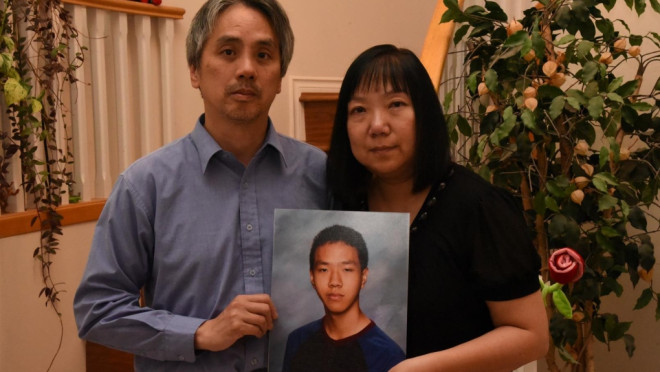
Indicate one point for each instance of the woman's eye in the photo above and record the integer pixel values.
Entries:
(227, 52)
(356, 110)
(263, 55)
(397, 104)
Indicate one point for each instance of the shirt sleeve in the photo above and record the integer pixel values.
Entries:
(106, 304)
(505, 264)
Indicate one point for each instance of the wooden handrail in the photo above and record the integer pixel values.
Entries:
(436, 44)
(132, 7)
(19, 223)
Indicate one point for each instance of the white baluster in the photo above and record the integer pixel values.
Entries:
(125, 123)
(166, 37)
(97, 26)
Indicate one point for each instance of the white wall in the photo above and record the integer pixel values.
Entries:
(329, 35)
(30, 331)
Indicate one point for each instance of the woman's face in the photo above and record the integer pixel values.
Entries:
(381, 130)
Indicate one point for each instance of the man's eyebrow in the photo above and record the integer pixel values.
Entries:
(268, 42)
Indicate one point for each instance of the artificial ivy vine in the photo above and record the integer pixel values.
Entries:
(35, 69)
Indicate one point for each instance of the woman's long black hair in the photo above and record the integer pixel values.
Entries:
(400, 70)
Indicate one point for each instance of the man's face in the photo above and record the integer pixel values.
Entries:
(337, 277)
(239, 71)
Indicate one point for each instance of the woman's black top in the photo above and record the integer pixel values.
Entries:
(469, 244)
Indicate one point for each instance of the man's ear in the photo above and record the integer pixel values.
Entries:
(365, 273)
(194, 77)
(311, 279)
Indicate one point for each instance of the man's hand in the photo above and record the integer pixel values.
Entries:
(246, 315)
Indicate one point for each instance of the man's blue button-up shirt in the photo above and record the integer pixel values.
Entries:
(192, 226)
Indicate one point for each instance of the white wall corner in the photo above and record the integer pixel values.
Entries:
(305, 84)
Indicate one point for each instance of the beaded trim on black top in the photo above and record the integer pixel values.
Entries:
(431, 200)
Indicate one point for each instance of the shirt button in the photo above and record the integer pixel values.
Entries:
(253, 272)
(254, 362)
(181, 357)
(245, 185)
(249, 227)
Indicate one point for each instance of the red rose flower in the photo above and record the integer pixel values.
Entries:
(566, 266)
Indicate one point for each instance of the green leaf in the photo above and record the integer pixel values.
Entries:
(640, 5)
(606, 28)
(14, 92)
(458, 35)
(609, 232)
(551, 204)
(505, 128)
(562, 304)
(606, 201)
(472, 82)
(644, 299)
(529, 120)
(565, 40)
(591, 90)
(615, 84)
(589, 71)
(578, 95)
(563, 17)
(516, 39)
(615, 98)
(627, 89)
(655, 5)
(539, 203)
(635, 40)
(595, 106)
(491, 80)
(609, 4)
(629, 340)
(452, 15)
(464, 127)
(452, 121)
(35, 106)
(447, 102)
(573, 102)
(637, 218)
(607, 177)
(584, 49)
(641, 106)
(557, 107)
(538, 44)
(548, 92)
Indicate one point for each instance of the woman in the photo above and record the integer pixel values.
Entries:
(473, 300)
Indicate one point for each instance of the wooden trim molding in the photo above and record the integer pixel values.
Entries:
(19, 223)
(132, 7)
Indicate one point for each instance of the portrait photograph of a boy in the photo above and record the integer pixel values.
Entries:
(339, 284)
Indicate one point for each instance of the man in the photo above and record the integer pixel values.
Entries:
(345, 339)
(192, 223)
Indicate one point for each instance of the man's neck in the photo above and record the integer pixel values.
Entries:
(340, 326)
(243, 139)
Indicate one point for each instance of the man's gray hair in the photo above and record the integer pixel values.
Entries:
(204, 21)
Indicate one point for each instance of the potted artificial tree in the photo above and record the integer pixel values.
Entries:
(549, 115)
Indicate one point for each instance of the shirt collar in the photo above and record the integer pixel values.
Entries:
(207, 147)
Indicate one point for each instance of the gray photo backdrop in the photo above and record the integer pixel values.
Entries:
(383, 299)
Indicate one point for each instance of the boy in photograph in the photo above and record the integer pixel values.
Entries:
(345, 339)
